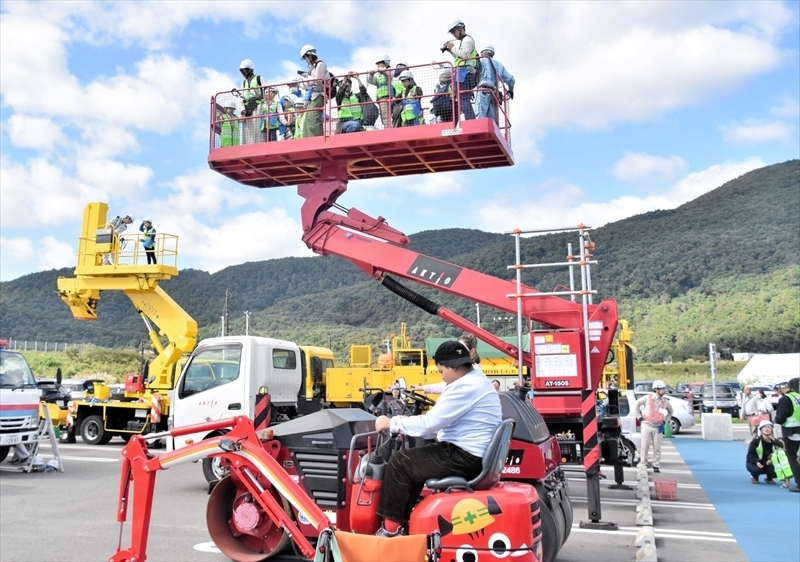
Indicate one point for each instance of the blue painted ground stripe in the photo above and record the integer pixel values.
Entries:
(764, 519)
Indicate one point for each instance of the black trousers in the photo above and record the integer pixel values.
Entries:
(791, 447)
(409, 469)
(755, 472)
(151, 256)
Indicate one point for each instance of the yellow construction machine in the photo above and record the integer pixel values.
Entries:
(144, 406)
(619, 368)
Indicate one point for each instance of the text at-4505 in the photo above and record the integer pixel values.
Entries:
(556, 383)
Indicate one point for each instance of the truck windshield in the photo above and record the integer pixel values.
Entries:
(211, 368)
(14, 371)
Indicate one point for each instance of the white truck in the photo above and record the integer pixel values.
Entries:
(235, 375)
(19, 402)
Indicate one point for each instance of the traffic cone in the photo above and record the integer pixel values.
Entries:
(667, 429)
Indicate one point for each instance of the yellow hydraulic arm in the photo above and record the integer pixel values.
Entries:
(131, 274)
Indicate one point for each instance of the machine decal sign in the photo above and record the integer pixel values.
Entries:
(556, 383)
(434, 271)
(513, 461)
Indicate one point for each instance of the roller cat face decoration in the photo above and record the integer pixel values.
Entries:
(483, 532)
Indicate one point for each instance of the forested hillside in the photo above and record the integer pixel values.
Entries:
(721, 268)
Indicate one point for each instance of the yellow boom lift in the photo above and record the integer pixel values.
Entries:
(145, 405)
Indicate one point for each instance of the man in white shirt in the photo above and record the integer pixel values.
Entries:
(463, 421)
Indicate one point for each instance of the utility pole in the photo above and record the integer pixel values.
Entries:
(712, 359)
(478, 313)
(246, 322)
(225, 325)
(222, 325)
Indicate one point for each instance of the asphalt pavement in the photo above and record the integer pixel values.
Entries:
(71, 516)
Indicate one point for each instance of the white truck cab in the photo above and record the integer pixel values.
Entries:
(224, 375)
(19, 402)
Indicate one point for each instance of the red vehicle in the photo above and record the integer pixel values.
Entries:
(286, 487)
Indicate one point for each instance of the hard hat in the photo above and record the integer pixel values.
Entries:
(406, 75)
(247, 63)
(305, 49)
(272, 89)
(229, 105)
(454, 24)
(385, 59)
(658, 385)
(147, 220)
(763, 423)
(489, 48)
(133, 219)
(299, 102)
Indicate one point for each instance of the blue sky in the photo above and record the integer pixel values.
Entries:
(620, 108)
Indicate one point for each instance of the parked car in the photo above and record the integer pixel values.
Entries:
(643, 387)
(686, 390)
(682, 414)
(631, 435)
(726, 399)
(77, 387)
(697, 394)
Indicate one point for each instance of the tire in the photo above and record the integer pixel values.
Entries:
(92, 431)
(552, 527)
(566, 506)
(4, 453)
(629, 449)
(675, 425)
(126, 436)
(213, 471)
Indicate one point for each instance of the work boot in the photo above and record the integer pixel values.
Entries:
(656, 469)
(754, 480)
(794, 489)
(770, 481)
(16, 461)
(384, 533)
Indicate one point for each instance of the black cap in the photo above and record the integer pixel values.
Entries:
(452, 354)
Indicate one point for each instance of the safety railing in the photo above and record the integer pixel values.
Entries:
(131, 250)
(312, 108)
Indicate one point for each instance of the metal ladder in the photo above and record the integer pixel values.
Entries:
(46, 431)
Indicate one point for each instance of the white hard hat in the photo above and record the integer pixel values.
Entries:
(300, 101)
(133, 219)
(454, 24)
(763, 423)
(658, 384)
(488, 48)
(406, 74)
(385, 59)
(147, 220)
(305, 49)
(247, 63)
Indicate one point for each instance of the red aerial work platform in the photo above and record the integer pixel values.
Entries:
(374, 153)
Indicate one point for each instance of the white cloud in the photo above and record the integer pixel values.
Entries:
(33, 132)
(434, 186)
(787, 109)
(562, 204)
(757, 131)
(635, 167)
(19, 256)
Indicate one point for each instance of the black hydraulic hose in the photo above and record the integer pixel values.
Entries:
(414, 298)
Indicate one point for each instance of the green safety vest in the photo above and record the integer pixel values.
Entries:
(463, 62)
(250, 87)
(229, 131)
(382, 83)
(411, 111)
(298, 124)
(780, 462)
(274, 121)
(794, 420)
(351, 110)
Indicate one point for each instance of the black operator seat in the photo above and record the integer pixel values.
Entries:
(493, 462)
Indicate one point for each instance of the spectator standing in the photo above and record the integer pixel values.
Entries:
(410, 109)
(252, 95)
(654, 410)
(229, 127)
(787, 415)
(149, 240)
(750, 409)
(442, 102)
(464, 420)
(382, 80)
(764, 406)
(299, 118)
(465, 60)
(315, 91)
(492, 72)
(119, 225)
(759, 454)
(270, 108)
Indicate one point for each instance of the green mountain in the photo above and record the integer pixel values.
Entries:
(720, 268)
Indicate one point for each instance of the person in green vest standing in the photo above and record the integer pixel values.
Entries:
(465, 61)
(229, 127)
(787, 415)
(149, 240)
(271, 110)
(252, 94)
(381, 79)
(410, 109)
(299, 118)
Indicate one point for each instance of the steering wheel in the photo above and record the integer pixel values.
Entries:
(417, 397)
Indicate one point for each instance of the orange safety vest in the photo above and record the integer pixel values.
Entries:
(651, 414)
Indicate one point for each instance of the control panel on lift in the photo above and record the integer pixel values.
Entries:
(557, 360)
